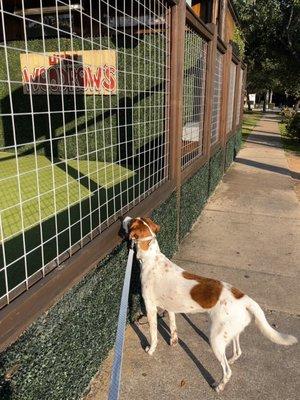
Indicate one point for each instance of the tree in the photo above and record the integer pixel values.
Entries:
(271, 31)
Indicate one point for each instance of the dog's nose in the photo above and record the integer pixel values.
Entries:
(125, 223)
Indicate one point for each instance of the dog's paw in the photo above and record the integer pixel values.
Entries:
(219, 387)
(173, 341)
(232, 360)
(149, 351)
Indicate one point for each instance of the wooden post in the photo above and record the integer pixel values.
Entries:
(225, 89)
(178, 14)
(211, 64)
(236, 96)
(242, 94)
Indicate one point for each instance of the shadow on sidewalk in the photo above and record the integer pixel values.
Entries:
(267, 167)
(165, 333)
(267, 136)
(274, 117)
(262, 143)
(196, 329)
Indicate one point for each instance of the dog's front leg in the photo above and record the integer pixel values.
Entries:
(173, 329)
(152, 319)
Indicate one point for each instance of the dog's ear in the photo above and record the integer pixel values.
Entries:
(154, 227)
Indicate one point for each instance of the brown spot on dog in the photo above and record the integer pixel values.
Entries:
(207, 292)
(237, 293)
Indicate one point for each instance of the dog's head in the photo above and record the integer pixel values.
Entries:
(139, 229)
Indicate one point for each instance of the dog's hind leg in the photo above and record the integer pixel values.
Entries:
(218, 345)
(236, 349)
(173, 329)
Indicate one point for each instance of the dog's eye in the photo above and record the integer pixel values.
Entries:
(133, 235)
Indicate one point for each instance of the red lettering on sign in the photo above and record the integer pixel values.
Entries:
(109, 82)
(34, 76)
(93, 80)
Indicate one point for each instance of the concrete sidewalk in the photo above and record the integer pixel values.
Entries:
(248, 235)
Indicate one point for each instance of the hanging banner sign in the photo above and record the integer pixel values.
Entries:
(91, 72)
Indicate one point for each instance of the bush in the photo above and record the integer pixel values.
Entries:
(286, 114)
(293, 126)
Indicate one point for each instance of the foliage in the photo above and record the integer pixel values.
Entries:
(239, 42)
(291, 122)
(293, 126)
(282, 128)
(286, 113)
(272, 35)
(289, 143)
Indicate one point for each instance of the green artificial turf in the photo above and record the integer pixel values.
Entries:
(104, 174)
(44, 189)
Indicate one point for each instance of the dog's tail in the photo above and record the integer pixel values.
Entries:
(265, 328)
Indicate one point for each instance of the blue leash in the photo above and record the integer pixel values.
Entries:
(115, 380)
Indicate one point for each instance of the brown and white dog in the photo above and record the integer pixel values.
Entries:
(166, 285)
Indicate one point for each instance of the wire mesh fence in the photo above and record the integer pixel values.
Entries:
(83, 125)
(230, 100)
(217, 93)
(85, 103)
(195, 57)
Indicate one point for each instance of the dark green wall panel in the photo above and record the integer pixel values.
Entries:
(238, 141)
(194, 193)
(215, 169)
(230, 151)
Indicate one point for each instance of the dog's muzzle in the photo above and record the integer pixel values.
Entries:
(125, 223)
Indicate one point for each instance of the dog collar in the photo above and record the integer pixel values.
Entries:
(147, 238)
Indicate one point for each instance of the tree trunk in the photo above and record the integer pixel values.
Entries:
(248, 102)
(271, 96)
(264, 103)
